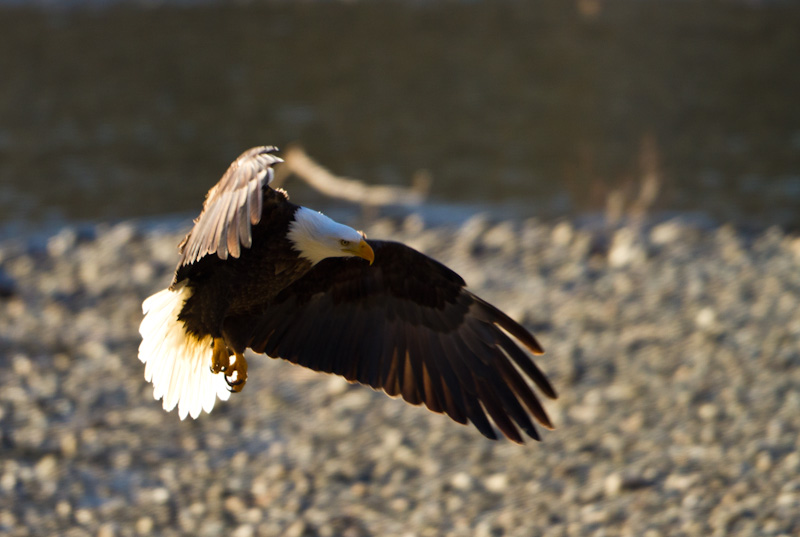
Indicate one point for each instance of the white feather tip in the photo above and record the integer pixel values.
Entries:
(178, 364)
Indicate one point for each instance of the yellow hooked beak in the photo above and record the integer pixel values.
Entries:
(364, 250)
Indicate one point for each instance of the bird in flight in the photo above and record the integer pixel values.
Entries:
(257, 271)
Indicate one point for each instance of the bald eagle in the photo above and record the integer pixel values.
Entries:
(259, 272)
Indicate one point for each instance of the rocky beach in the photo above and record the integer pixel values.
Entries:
(675, 351)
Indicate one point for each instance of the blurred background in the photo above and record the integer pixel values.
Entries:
(675, 347)
(111, 109)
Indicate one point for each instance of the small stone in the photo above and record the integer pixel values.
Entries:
(665, 233)
(7, 519)
(496, 483)
(399, 505)
(84, 517)
(792, 461)
(471, 232)
(763, 461)
(706, 318)
(142, 272)
(625, 249)
(295, 529)
(22, 366)
(239, 460)
(562, 234)
(358, 490)
(484, 529)
(690, 501)
(63, 242)
(613, 484)
(593, 514)
(500, 236)
(337, 385)
(252, 515)
(117, 236)
(46, 468)
(62, 362)
(680, 482)
(63, 509)
(197, 509)
(8, 481)
(144, 526)
(234, 504)
(245, 530)
(392, 439)
(794, 247)
(708, 411)
(461, 481)
(454, 503)
(106, 530)
(159, 495)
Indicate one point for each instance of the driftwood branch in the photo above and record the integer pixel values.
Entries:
(298, 162)
(649, 187)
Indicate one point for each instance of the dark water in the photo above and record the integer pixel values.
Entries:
(534, 108)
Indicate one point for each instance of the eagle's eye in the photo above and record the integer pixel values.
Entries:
(344, 242)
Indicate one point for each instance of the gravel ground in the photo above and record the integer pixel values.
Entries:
(675, 352)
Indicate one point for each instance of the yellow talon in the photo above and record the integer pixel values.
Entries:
(239, 367)
(221, 357)
(221, 363)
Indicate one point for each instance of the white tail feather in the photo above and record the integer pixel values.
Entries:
(177, 363)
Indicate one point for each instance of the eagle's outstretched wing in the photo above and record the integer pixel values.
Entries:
(231, 208)
(408, 326)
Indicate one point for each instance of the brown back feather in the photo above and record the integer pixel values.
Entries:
(231, 208)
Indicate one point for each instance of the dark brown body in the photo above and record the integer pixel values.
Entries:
(243, 285)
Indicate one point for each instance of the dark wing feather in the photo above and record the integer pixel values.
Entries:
(231, 208)
(408, 326)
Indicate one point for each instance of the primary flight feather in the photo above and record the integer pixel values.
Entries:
(259, 272)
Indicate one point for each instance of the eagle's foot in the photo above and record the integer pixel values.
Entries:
(238, 369)
(220, 360)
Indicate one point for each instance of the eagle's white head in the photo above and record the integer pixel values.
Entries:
(317, 237)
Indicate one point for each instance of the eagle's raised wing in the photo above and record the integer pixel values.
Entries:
(406, 325)
(231, 208)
